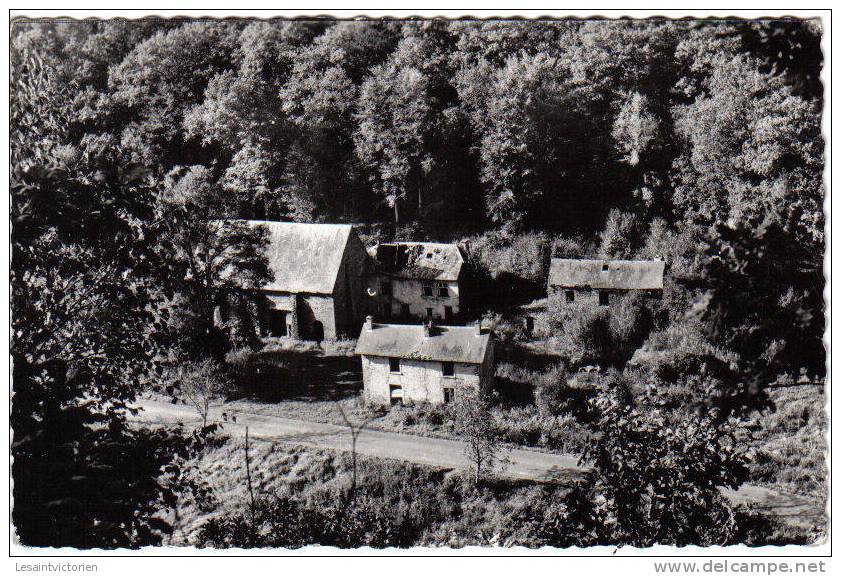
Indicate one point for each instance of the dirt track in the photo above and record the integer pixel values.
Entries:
(522, 464)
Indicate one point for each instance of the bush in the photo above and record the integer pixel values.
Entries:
(572, 248)
(552, 390)
(657, 480)
(607, 336)
(504, 269)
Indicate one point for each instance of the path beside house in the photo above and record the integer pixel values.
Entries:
(442, 453)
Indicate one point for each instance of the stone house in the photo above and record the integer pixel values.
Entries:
(597, 282)
(419, 280)
(427, 363)
(319, 286)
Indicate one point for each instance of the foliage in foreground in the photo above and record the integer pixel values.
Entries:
(402, 505)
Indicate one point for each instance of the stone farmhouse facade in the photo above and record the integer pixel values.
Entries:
(418, 280)
(319, 286)
(423, 363)
(576, 283)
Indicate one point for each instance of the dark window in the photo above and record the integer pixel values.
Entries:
(604, 298)
(448, 369)
(448, 312)
(529, 324)
(429, 312)
(443, 292)
(429, 254)
(394, 364)
(604, 267)
(404, 309)
(427, 288)
(449, 394)
(570, 296)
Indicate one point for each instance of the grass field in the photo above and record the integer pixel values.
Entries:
(421, 505)
(791, 444)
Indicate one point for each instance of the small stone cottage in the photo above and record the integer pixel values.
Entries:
(597, 282)
(427, 363)
(418, 280)
(319, 283)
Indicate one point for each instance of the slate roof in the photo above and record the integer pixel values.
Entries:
(620, 275)
(305, 258)
(420, 260)
(446, 344)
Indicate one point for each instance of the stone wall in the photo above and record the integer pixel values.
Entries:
(589, 298)
(350, 299)
(303, 314)
(405, 291)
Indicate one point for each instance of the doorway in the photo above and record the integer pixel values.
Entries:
(317, 331)
(277, 323)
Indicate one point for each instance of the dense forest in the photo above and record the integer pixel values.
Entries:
(696, 142)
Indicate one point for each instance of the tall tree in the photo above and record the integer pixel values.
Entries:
(160, 80)
(750, 181)
(212, 260)
(82, 337)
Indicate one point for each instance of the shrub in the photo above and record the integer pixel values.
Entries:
(552, 390)
(603, 335)
(200, 384)
(658, 481)
(506, 268)
(617, 237)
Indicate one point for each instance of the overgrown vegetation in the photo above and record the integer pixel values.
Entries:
(302, 499)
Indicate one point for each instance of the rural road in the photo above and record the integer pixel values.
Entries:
(438, 452)
(442, 453)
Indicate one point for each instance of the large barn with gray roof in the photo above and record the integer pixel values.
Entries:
(426, 363)
(319, 288)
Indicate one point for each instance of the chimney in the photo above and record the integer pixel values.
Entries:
(427, 329)
(369, 323)
(478, 327)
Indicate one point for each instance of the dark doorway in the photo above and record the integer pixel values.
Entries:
(277, 323)
(396, 393)
(404, 309)
(317, 331)
(448, 313)
(604, 298)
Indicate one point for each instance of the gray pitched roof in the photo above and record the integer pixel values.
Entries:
(420, 260)
(620, 275)
(446, 344)
(304, 257)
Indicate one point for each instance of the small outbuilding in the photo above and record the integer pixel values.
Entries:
(319, 286)
(427, 363)
(418, 280)
(595, 282)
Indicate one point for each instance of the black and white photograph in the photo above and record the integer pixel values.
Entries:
(455, 285)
